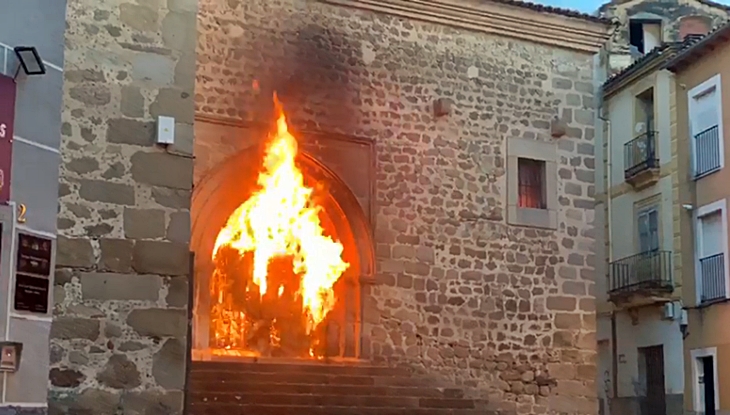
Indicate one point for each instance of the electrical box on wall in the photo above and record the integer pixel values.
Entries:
(683, 318)
(672, 311)
(165, 130)
(10, 356)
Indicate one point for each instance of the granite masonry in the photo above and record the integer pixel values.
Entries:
(459, 290)
(118, 338)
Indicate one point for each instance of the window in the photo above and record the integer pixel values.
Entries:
(531, 179)
(645, 35)
(711, 264)
(640, 153)
(705, 124)
(648, 229)
(532, 183)
(644, 111)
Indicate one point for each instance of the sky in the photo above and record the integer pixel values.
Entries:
(587, 6)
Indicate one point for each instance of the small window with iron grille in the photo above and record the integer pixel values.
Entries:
(531, 183)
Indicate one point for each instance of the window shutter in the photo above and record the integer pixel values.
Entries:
(653, 230)
(711, 234)
(705, 112)
(644, 244)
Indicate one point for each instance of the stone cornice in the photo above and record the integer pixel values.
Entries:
(519, 22)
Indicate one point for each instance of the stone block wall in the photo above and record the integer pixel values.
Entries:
(119, 333)
(509, 311)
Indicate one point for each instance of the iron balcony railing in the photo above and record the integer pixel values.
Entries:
(640, 154)
(707, 151)
(646, 271)
(712, 278)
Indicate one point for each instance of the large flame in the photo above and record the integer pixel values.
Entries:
(280, 220)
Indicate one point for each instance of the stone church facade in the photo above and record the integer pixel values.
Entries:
(435, 105)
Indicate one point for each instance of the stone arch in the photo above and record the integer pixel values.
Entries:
(226, 186)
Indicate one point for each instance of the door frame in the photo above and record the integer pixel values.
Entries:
(696, 355)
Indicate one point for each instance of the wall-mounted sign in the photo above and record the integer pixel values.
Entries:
(7, 117)
(32, 274)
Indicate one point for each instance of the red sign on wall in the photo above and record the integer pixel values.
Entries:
(7, 116)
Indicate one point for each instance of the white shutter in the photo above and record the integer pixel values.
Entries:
(704, 112)
(711, 234)
(654, 230)
(644, 233)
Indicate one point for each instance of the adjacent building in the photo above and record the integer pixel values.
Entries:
(639, 337)
(641, 321)
(31, 79)
(702, 82)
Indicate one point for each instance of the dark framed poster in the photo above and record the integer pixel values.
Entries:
(32, 274)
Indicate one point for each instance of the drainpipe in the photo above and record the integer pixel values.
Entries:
(615, 25)
(609, 185)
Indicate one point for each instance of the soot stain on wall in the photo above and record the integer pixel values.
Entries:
(316, 75)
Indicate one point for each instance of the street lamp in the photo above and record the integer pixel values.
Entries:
(30, 60)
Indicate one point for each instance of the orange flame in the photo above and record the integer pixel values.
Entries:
(281, 220)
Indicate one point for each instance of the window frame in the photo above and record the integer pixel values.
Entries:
(715, 82)
(647, 210)
(653, 202)
(537, 164)
(546, 152)
(699, 213)
(695, 356)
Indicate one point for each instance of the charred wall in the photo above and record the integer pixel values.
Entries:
(506, 310)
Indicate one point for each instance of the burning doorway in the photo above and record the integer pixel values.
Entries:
(281, 246)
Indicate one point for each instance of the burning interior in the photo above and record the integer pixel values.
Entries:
(278, 260)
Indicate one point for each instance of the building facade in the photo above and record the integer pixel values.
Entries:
(639, 337)
(702, 113)
(481, 273)
(640, 180)
(30, 139)
(118, 339)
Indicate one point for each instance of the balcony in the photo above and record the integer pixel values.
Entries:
(641, 279)
(707, 151)
(712, 279)
(641, 161)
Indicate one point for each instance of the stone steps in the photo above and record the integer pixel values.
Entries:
(293, 367)
(331, 389)
(197, 409)
(262, 388)
(339, 400)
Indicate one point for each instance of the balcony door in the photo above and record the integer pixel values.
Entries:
(711, 259)
(648, 224)
(705, 108)
(647, 266)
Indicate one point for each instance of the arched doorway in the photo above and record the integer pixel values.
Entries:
(228, 185)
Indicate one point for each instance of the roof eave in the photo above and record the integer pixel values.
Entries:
(699, 50)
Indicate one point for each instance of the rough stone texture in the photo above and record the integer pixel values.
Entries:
(119, 192)
(673, 13)
(459, 292)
